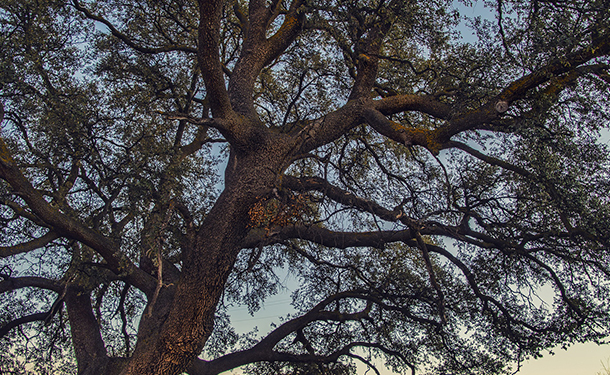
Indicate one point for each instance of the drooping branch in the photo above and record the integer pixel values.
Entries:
(487, 300)
(432, 275)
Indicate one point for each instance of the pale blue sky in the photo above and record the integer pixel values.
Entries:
(580, 359)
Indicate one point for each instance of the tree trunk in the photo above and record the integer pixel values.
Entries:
(184, 328)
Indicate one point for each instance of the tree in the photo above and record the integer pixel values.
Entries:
(442, 202)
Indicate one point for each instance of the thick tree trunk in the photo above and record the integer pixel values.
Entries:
(184, 328)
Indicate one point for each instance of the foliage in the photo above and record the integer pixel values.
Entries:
(437, 184)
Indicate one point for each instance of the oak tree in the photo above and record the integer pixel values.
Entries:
(436, 183)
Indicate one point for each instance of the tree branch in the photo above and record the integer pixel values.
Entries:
(4, 330)
(258, 51)
(519, 88)
(125, 39)
(65, 225)
(210, 12)
(326, 237)
(402, 134)
(338, 195)
(367, 55)
(86, 337)
(420, 103)
(489, 159)
(14, 283)
(28, 246)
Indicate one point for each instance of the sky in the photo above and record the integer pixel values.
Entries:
(580, 359)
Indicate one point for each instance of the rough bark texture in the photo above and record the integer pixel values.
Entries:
(351, 148)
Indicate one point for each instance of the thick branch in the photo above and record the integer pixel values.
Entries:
(9, 284)
(258, 51)
(367, 51)
(402, 134)
(20, 321)
(210, 12)
(28, 246)
(86, 337)
(419, 103)
(69, 227)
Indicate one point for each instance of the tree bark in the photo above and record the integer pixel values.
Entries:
(188, 323)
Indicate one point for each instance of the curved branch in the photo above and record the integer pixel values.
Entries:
(125, 39)
(4, 330)
(519, 88)
(402, 134)
(34, 244)
(263, 350)
(10, 283)
(421, 103)
(485, 299)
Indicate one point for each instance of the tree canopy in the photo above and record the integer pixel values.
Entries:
(436, 183)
